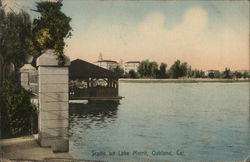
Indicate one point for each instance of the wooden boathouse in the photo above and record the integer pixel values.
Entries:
(91, 82)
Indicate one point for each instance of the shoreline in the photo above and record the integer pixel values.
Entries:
(186, 80)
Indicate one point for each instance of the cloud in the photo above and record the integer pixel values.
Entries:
(194, 22)
(173, 43)
(153, 25)
(191, 40)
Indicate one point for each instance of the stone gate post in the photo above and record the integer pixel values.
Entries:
(53, 102)
(25, 70)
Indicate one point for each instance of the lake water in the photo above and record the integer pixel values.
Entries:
(165, 121)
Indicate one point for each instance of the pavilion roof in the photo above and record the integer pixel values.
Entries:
(80, 69)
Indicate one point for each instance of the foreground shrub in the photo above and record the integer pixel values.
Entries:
(17, 110)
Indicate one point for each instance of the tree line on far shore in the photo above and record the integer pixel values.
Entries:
(151, 69)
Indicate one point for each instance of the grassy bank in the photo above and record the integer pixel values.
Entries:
(186, 80)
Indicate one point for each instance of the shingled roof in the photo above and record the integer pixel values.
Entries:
(80, 69)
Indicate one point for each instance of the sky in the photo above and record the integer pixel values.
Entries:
(205, 34)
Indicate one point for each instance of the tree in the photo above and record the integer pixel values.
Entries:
(161, 73)
(153, 68)
(51, 28)
(217, 74)
(227, 74)
(246, 75)
(190, 72)
(148, 69)
(198, 73)
(143, 68)
(132, 74)
(211, 75)
(237, 74)
(15, 40)
(178, 69)
(119, 71)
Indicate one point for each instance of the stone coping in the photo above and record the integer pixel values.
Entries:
(48, 58)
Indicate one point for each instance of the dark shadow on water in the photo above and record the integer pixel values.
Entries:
(92, 115)
(96, 109)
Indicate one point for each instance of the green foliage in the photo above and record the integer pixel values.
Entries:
(15, 41)
(15, 37)
(189, 72)
(132, 74)
(143, 68)
(162, 73)
(237, 74)
(51, 28)
(148, 69)
(198, 74)
(119, 71)
(211, 75)
(178, 69)
(17, 110)
(227, 74)
(246, 75)
(215, 74)
(153, 67)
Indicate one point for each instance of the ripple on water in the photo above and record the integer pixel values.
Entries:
(209, 121)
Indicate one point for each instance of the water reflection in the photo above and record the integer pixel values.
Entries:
(209, 122)
(92, 115)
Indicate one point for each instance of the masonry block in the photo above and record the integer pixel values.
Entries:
(53, 102)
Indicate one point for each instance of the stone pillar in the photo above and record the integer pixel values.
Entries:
(53, 102)
(25, 70)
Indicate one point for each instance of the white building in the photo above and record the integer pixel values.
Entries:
(107, 64)
(131, 65)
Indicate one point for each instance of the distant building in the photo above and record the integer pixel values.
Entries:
(131, 65)
(107, 64)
